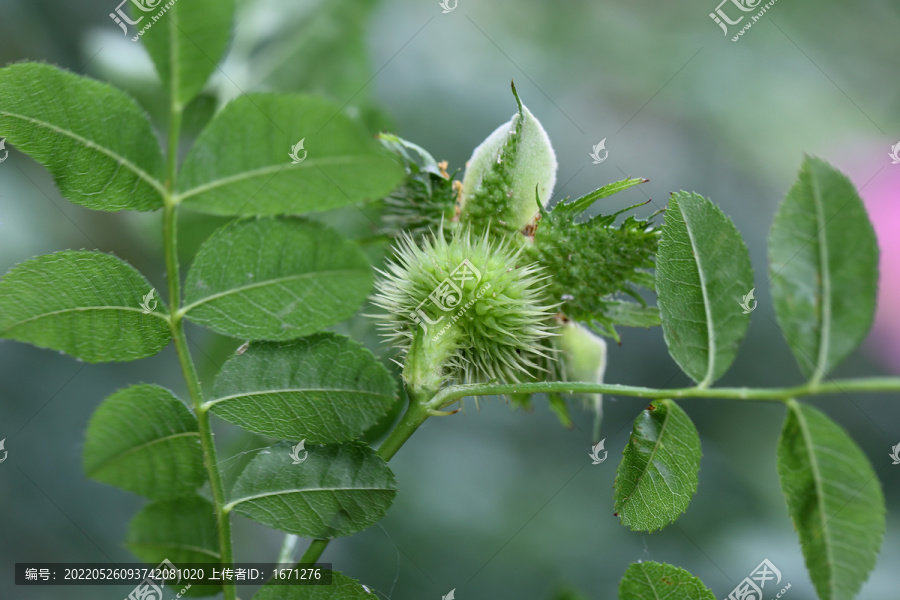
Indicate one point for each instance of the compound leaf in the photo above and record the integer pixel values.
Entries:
(94, 139)
(90, 305)
(275, 279)
(325, 388)
(658, 474)
(144, 440)
(335, 491)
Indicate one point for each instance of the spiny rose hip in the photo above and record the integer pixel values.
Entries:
(464, 309)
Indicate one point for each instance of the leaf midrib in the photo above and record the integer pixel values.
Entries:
(212, 403)
(256, 284)
(176, 546)
(134, 449)
(653, 452)
(650, 583)
(238, 501)
(152, 181)
(268, 170)
(81, 309)
(707, 307)
(820, 497)
(825, 334)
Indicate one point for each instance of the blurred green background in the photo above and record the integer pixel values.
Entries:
(493, 503)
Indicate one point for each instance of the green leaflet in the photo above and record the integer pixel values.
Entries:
(659, 581)
(319, 45)
(823, 261)
(186, 42)
(87, 304)
(834, 499)
(94, 139)
(703, 270)
(275, 279)
(341, 588)
(336, 491)
(324, 388)
(144, 440)
(658, 474)
(182, 531)
(242, 165)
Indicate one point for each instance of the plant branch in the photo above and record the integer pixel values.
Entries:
(416, 414)
(176, 326)
(451, 394)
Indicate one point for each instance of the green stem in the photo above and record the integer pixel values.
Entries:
(210, 460)
(451, 394)
(415, 415)
(314, 551)
(176, 326)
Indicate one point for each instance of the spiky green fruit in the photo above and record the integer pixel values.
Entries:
(464, 309)
(505, 172)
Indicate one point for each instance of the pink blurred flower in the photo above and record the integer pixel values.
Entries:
(879, 183)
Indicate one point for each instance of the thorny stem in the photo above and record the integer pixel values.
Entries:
(415, 415)
(451, 394)
(176, 326)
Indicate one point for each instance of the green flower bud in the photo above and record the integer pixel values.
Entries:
(463, 309)
(583, 358)
(505, 172)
